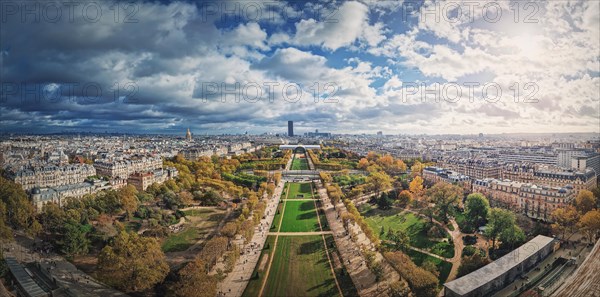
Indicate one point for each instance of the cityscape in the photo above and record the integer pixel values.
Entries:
(300, 148)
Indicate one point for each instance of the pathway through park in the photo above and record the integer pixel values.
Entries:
(236, 281)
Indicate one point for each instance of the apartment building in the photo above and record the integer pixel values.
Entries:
(535, 201)
(124, 168)
(475, 168)
(51, 175)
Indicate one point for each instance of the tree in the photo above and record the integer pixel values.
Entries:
(404, 198)
(416, 186)
(476, 209)
(132, 263)
(472, 263)
(512, 236)
(498, 220)
(379, 181)
(363, 164)
(383, 202)
(128, 198)
(5, 231)
(585, 201)
(399, 289)
(186, 198)
(194, 276)
(400, 239)
(565, 220)
(445, 196)
(74, 239)
(213, 249)
(230, 229)
(417, 168)
(590, 224)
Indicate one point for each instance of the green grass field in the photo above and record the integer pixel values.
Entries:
(299, 191)
(443, 266)
(260, 270)
(300, 268)
(277, 218)
(299, 164)
(199, 223)
(414, 225)
(299, 216)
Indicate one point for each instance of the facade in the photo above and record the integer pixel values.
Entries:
(502, 272)
(124, 168)
(141, 181)
(550, 176)
(512, 157)
(290, 128)
(51, 175)
(474, 168)
(535, 201)
(591, 160)
(58, 195)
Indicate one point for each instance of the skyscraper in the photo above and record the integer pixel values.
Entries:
(290, 128)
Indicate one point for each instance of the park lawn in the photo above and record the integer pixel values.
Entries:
(299, 164)
(443, 266)
(299, 216)
(181, 240)
(277, 217)
(300, 268)
(299, 191)
(395, 219)
(258, 275)
(199, 223)
(444, 249)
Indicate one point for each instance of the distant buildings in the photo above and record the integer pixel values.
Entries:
(317, 134)
(290, 128)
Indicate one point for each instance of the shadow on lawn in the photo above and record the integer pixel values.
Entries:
(310, 247)
(307, 205)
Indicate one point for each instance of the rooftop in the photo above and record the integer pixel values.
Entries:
(486, 274)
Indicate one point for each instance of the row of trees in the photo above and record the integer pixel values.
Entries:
(584, 216)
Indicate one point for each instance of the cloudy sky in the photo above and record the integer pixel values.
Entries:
(352, 66)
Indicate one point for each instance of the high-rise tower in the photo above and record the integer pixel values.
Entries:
(290, 128)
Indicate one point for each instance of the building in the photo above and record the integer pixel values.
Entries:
(51, 175)
(533, 200)
(475, 168)
(436, 174)
(589, 160)
(59, 194)
(317, 134)
(525, 157)
(188, 135)
(124, 168)
(141, 181)
(550, 176)
(502, 272)
(290, 128)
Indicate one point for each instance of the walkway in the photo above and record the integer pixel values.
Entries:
(350, 252)
(456, 239)
(236, 281)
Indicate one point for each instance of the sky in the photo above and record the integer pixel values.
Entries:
(410, 67)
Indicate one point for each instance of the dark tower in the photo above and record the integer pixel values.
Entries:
(290, 128)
